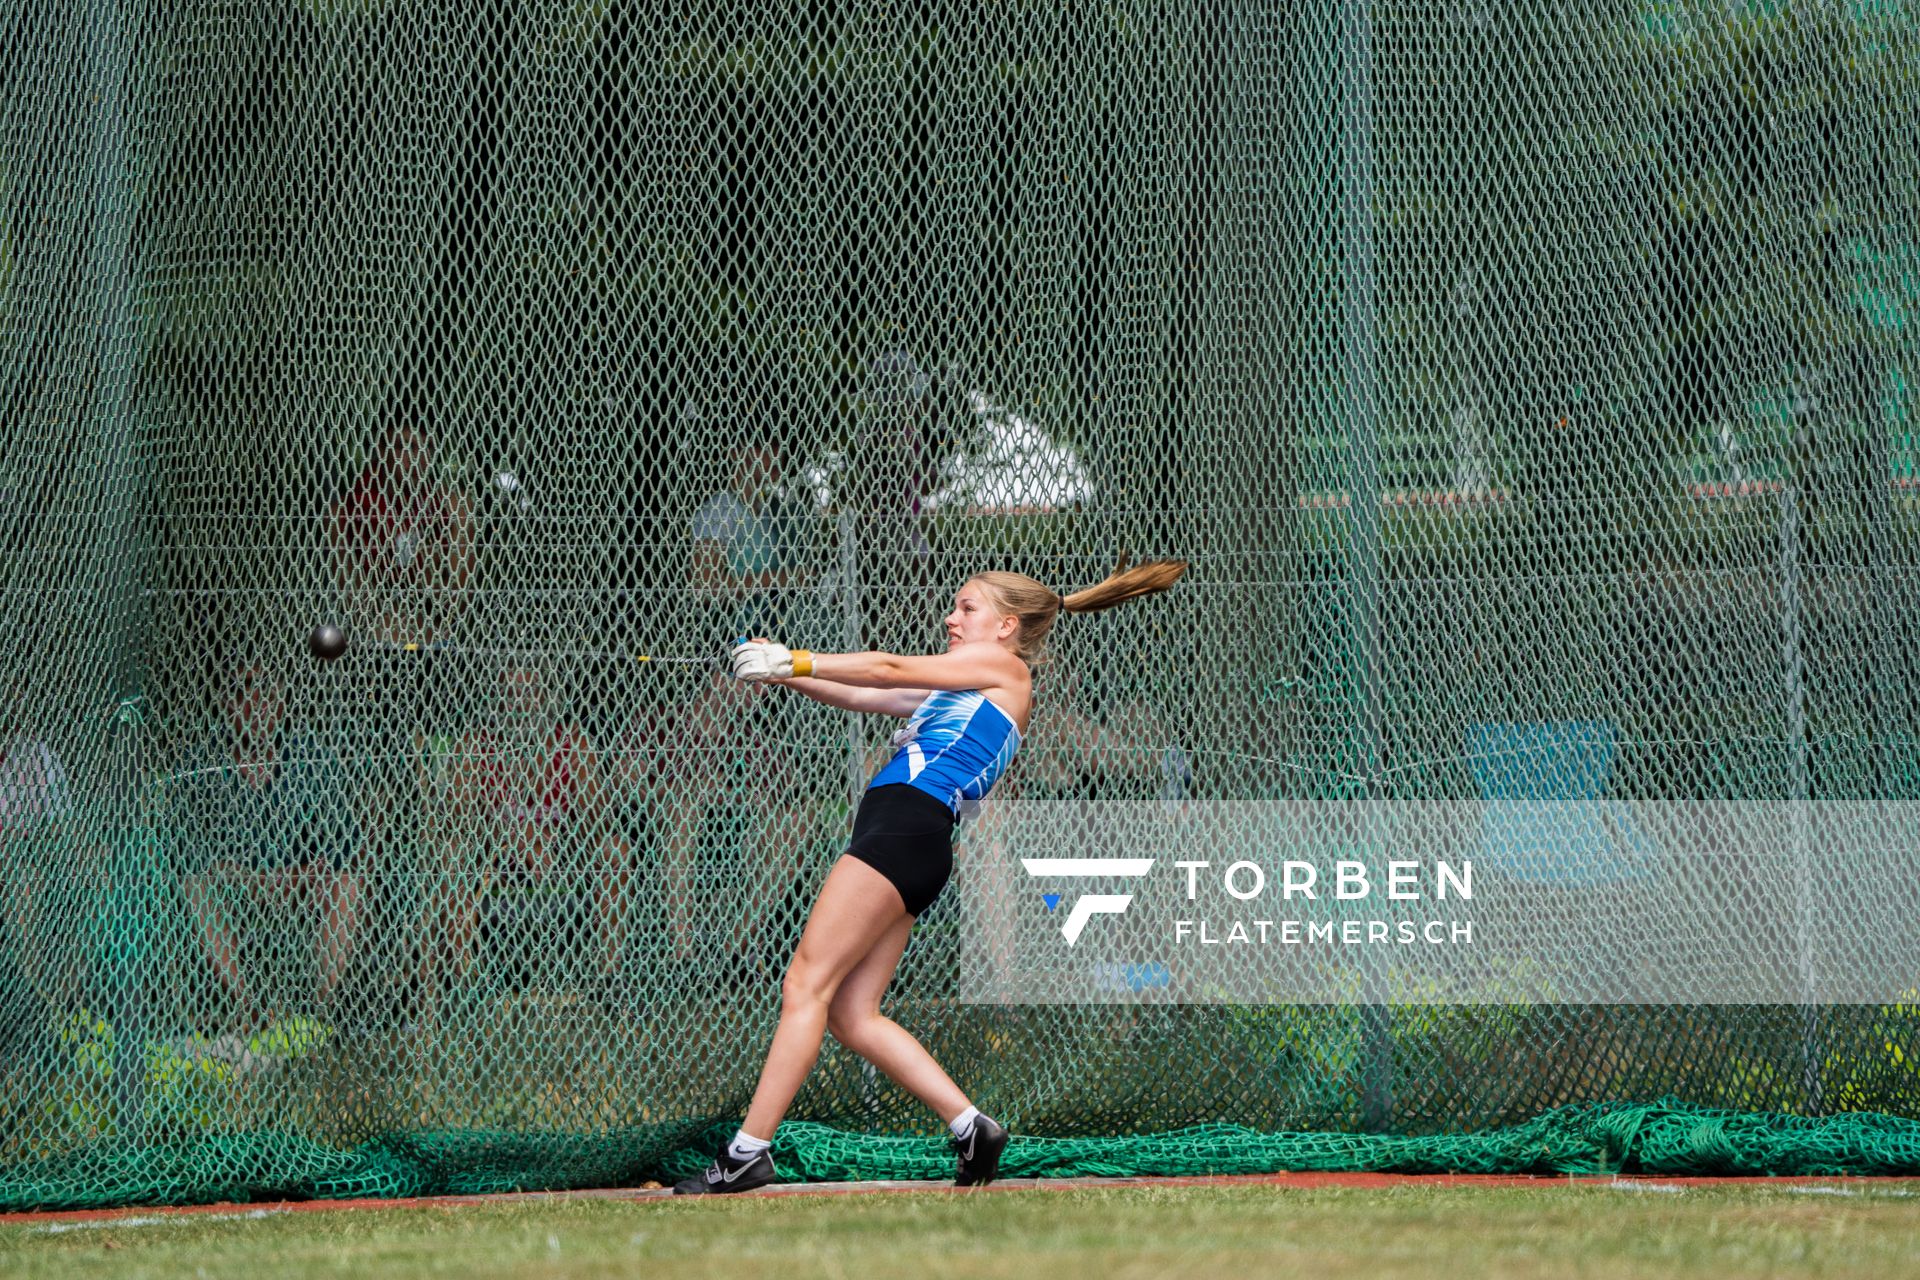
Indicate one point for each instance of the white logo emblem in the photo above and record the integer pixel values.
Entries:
(716, 1174)
(1088, 905)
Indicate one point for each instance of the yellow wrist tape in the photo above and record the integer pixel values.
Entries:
(803, 662)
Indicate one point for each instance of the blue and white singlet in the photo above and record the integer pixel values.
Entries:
(954, 748)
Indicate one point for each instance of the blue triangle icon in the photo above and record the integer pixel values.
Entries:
(1052, 900)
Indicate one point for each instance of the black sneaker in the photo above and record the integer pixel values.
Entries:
(726, 1175)
(979, 1152)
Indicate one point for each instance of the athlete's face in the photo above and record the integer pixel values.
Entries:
(973, 619)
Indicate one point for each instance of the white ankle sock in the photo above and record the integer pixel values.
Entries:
(962, 1124)
(745, 1146)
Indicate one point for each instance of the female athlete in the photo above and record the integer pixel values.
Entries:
(966, 710)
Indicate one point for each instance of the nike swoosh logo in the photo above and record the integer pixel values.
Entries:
(971, 1139)
(729, 1177)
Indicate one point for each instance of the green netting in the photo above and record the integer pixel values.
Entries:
(1499, 368)
(1586, 1140)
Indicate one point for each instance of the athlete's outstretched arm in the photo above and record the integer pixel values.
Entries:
(885, 702)
(982, 665)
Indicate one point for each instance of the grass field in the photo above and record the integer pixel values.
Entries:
(1119, 1233)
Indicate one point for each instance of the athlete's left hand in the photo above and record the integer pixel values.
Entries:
(766, 660)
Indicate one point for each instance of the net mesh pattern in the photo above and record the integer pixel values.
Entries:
(1492, 365)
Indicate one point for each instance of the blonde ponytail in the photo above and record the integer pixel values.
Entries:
(1038, 605)
(1125, 584)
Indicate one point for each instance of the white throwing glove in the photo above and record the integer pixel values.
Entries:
(766, 660)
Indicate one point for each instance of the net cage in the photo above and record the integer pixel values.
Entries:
(1529, 386)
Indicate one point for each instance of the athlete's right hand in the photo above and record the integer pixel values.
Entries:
(760, 660)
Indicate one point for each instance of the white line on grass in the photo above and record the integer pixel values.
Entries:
(171, 1219)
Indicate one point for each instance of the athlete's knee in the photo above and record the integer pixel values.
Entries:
(806, 985)
(851, 1027)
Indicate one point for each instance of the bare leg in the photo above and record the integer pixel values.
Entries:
(452, 914)
(770, 878)
(216, 938)
(695, 786)
(336, 931)
(995, 928)
(855, 1021)
(682, 811)
(24, 913)
(612, 900)
(463, 923)
(53, 958)
(856, 908)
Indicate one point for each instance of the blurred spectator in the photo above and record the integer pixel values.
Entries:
(749, 543)
(1086, 756)
(898, 459)
(403, 544)
(522, 816)
(36, 828)
(1088, 781)
(733, 822)
(264, 815)
(636, 762)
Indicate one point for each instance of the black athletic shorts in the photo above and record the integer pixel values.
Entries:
(907, 836)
